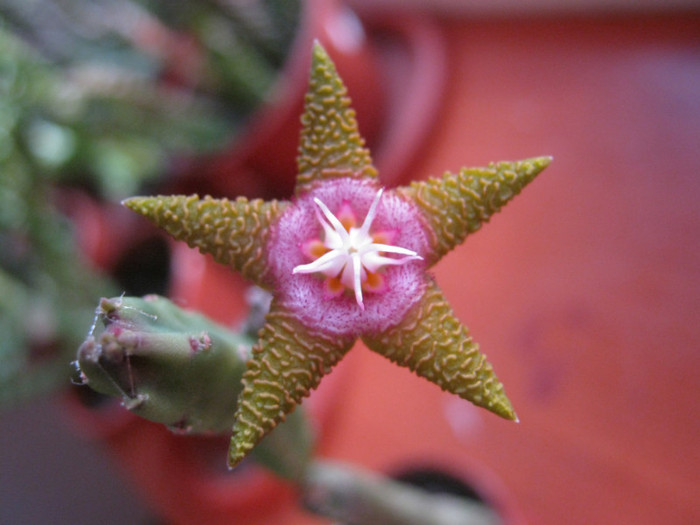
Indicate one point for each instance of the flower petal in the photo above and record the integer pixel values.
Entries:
(388, 248)
(456, 205)
(332, 262)
(332, 219)
(373, 261)
(331, 238)
(331, 145)
(371, 214)
(435, 345)
(288, 361)
(236, 232)
(357, 278)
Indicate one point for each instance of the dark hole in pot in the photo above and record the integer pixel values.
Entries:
(144, 268)
(436, 481)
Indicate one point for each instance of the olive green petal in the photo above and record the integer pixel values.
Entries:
(288, 362)
(330, 145)
(456, 205)
(234, 232)
(435, 345)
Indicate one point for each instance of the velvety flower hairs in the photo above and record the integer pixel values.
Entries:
(345, 259)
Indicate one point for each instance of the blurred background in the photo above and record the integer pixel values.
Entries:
(584, 292)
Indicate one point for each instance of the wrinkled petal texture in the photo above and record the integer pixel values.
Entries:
(304, 294)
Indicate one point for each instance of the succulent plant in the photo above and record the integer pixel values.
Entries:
(346, 259)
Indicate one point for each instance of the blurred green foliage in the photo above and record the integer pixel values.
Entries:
(105, 96)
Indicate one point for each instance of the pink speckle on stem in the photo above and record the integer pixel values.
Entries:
(200, 343)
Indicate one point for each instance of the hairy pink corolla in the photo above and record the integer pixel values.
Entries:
(351, 256)
(303, 292)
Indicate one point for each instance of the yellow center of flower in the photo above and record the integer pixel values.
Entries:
(351, 257)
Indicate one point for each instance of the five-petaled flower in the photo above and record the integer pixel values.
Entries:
(346, 259)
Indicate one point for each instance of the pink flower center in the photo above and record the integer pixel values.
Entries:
(351, 258)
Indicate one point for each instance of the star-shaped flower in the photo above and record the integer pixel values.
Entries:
(334, 281)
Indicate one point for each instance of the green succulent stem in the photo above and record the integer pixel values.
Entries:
(168, 365)
(359, 497)
(181, 369)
